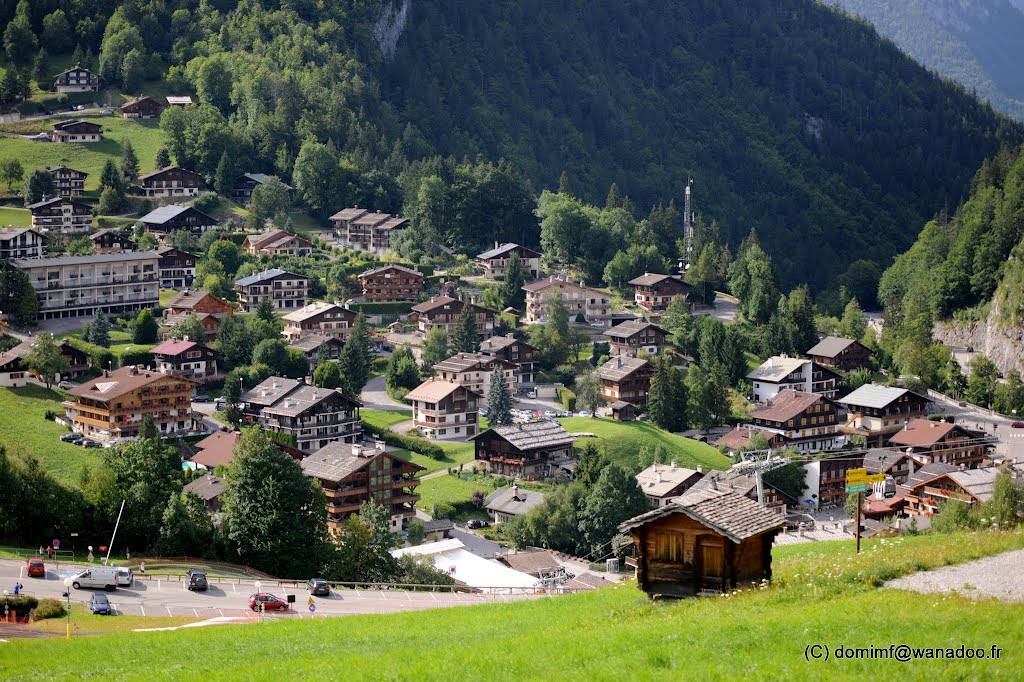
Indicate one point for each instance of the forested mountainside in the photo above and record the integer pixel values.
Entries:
(969, 267)
(793, 118)
(975, 42)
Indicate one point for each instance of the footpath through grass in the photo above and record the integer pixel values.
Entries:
(623, 441)
(24, 428)
(762, 633)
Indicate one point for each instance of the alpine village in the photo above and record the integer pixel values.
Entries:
(403, 339)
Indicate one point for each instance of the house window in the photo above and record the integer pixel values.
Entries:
(668, 546)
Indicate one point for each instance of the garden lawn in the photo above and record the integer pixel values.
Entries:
(15, 217)
(758, 634)
(166, 296)
(623, 441)
(450, 489)
(385, 419)
(23, 428)
(145, 137)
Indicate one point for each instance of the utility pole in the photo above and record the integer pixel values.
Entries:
(860, 501)
(114, 535)
(687, 260)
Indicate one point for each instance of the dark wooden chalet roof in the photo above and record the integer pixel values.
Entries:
(734, 516)
(532, 435)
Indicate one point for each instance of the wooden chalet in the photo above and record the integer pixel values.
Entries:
(629, 338)
(59, 214)
(207, 488)
(76, 79)
(21, 242)
(319, 317)
(444, 410)
(177, 268)
(188, 358)
(352, 473)
(285, 290)
(314, 416)
(623, 411)
(928, 441)
(142, 107)
(782, 372)
(879, 412)
(315, 346)
(931, 486)
(742, 438)
(524, 451)
(808, 421)
(626, 378)
(277, 243)
(208, 309)
(826, 478)
(895, 463)
(391, 283)
(775, 500)
(444, 311)
(363, 230)
(76, 131)
(495, 261)
(108, 241)
(473, 370)
(704, 542)
(167, 219)
(78, 360)
(171, 182)
(504, 504)
(13, 371)
(516, 351)
(654, 292)
(69, 182)
(179, 100)
(246, 183)
(840, 353)
(662, 483)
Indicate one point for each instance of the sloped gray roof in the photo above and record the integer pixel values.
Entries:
(207, 487)
(830, 346)
(734, 516)
(270, 390)
(55, 261)
(308, 344)
(502, 249)
(776, 368)
(620, 367)
(336, 461)
(163, 214)
(304, 398)
(627, 329)
(875, 396)
(513, 501)
(532, 435)
(265, 276)
(879, 460)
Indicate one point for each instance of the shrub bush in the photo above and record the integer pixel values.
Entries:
(567, 399)
(443, 510)
(50, 608)
(136, 357)
(22, 604)
(411, 443)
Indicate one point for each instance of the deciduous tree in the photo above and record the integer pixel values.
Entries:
(46, 360)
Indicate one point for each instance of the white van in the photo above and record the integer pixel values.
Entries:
(105, 578)
(124, 576)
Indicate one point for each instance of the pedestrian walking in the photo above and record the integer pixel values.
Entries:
(49, 552)
(40, 550)
(142, 567)
(17, 588)
(127, 555)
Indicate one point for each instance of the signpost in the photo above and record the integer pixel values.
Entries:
(312, 608)
(857, 481)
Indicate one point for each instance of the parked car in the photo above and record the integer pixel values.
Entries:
(35, 568)
(196, 579)
(201, 399)
(90, 444)
(45, 137)
(71, 437)
(583, 413)
(80, 107)
(476, 523)
(550, 413)
(125, 577)
(531, 394)
(66, 385)
(268, 601)
(1017, 425)
(99, 604)
(219, 403)
(318, 587)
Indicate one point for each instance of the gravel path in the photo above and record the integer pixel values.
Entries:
(1000, 576)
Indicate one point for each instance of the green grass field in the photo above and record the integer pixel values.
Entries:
(611, 633)
(89, 624)
(145, 137)
(23, 428)
(623, 441)
(15, 217)
(450, 489)
(455, 453)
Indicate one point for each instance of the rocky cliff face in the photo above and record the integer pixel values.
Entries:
(1003, 343)
(389, 26)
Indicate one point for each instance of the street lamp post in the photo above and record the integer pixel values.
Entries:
(259, 604)
(67, 593)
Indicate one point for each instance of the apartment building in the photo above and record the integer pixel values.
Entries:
(285, 290)
(782, 372)
(277, 243)
(495, 261)
(21, 242)
(626, 378)
(808, 421)
(69, 182)
(444, 311)
(81, 286)
(353, 473)
(177, 268)
(314, 416)
(76, 79)
(518, 352)
(58, 214)
(654, 292)
(928, 441)
(582, 301)
(473, 370)
(329, 319)
(445, 410)
(877, 413)
(391, 283)
(629, 338)
(113, 406)
(173, 181)
(357, 228)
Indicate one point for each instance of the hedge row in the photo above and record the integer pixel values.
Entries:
(567, 399)
(410, 443)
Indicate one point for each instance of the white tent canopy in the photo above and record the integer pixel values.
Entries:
(450, 556)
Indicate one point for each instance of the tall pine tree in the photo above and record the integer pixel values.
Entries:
(499, 399)
(466, 339)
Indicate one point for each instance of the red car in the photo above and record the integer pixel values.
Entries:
(1017, 425)
(36, 568)
(269, 602)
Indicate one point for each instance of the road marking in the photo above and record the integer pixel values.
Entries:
(143, 609)
(221, 612)
(234, 588)
(433, 596)
(195, 612)
(158, 586)
(383, 596)
(168, 610)
(184, 586)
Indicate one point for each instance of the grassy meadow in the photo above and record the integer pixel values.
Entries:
(145, 137)
(23, 428)
(831, 598)
(14, 217)
(623, 441)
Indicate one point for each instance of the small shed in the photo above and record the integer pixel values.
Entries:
(623, 411)
(707, 541)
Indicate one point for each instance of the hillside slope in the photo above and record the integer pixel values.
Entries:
(793, 118)
(823, 595)
(977, 42)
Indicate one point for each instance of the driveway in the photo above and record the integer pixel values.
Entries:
(375, 397)
(725, 308)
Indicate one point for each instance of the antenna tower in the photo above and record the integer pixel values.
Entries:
(687, 260)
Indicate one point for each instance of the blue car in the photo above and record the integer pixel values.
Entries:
(99, 604)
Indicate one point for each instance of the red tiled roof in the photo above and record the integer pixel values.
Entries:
(173, 347)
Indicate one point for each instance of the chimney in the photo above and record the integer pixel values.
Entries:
(496, 244)
(618, 361)
(673, 464)
(357, 450)
(378, 444)
(515, 491)
(657, 478)
(700, 468)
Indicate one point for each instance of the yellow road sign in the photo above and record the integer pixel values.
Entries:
(865, 480)
(856, 473)
(310, 600)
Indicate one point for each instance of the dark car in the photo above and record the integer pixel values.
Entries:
(201, 399)
(268, 601)
(196, 580)
(318, 587)
(100, 604)
(36, 568)
(90, 444)
(476, 523)
(70, 437)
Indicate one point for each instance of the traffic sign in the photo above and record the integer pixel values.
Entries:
(312, 608)
(310, 601)
(857, 488)
(861, 476)
(56, 543)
